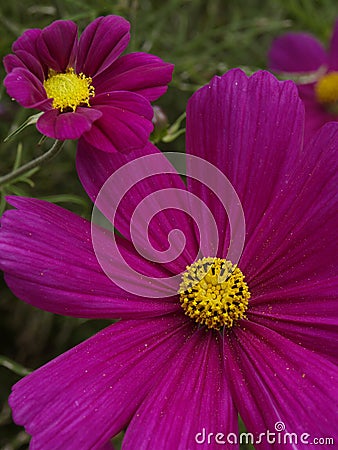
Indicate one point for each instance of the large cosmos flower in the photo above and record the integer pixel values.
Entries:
(302, 54)
(176, 367)
(84, 87)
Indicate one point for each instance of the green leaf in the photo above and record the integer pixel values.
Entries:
(18, 156)
(173, 132)
(30, 121)
(65, 198)
(177, 124)
(171, 137)
(2, 202)
(13, 366)
(12, 189)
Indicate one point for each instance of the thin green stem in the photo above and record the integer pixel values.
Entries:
(53, 151)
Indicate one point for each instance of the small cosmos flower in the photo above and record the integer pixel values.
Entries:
(257, 338)
(303, 55)
(84, 87)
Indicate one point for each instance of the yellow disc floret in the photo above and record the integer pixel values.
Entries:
(68, 90)
(327, 89)
(213, 293)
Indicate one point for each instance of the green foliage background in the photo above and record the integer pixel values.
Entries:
(202, 38)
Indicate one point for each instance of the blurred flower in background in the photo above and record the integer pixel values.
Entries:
(302, 54)
(84, 87)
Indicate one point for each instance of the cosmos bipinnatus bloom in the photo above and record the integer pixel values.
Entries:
(256, 337)
(83, 86)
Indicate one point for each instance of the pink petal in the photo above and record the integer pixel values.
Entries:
(107, 446)
(12, 62)
(296, 52)
(145, 74)
(281, 260)
(306, 314)
(49, 262)
(70, 125)
(274, 380)
(299, 227)
(125, 123)
(315, 114)
(101, 44)
(25, 88)
(251, 130)
(57, 45)
(147, 179)
(27, 42)
(133, 270)
(192, 400)
(24, 60)
(333, 49)
(90, 393)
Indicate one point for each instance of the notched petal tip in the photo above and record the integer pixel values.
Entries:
(101, 43)
(145, 74)
(24, 87)
(70, 125)
(125, 124)
(27, 40)
(57, 45)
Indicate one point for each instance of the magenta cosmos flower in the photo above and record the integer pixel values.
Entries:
(303, 54)
(177, 368)
(84, 87)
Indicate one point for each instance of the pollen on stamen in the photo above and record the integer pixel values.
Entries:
(326, 90)
(68, 90)
(213, 293)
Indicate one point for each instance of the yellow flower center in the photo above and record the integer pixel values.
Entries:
(68, 90)
(326, 90)
(213, 293)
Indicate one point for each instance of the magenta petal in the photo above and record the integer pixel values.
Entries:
(101, 44)
(57, 45)
(305, 314)
(90, 393)
(125, 123)
(299, 228)
(25, 60)
(142, 187)
(296, 52)
(274, 380)
(136, 273)
(107, 446)
(124, 101)
(70, 125)
(315, 114)
(11, 62)
(292, 292)
(333, 50)
(25, 88)
(251, 129)
(49, 262)
(145, 74)
(27, 42)
(192, 400)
